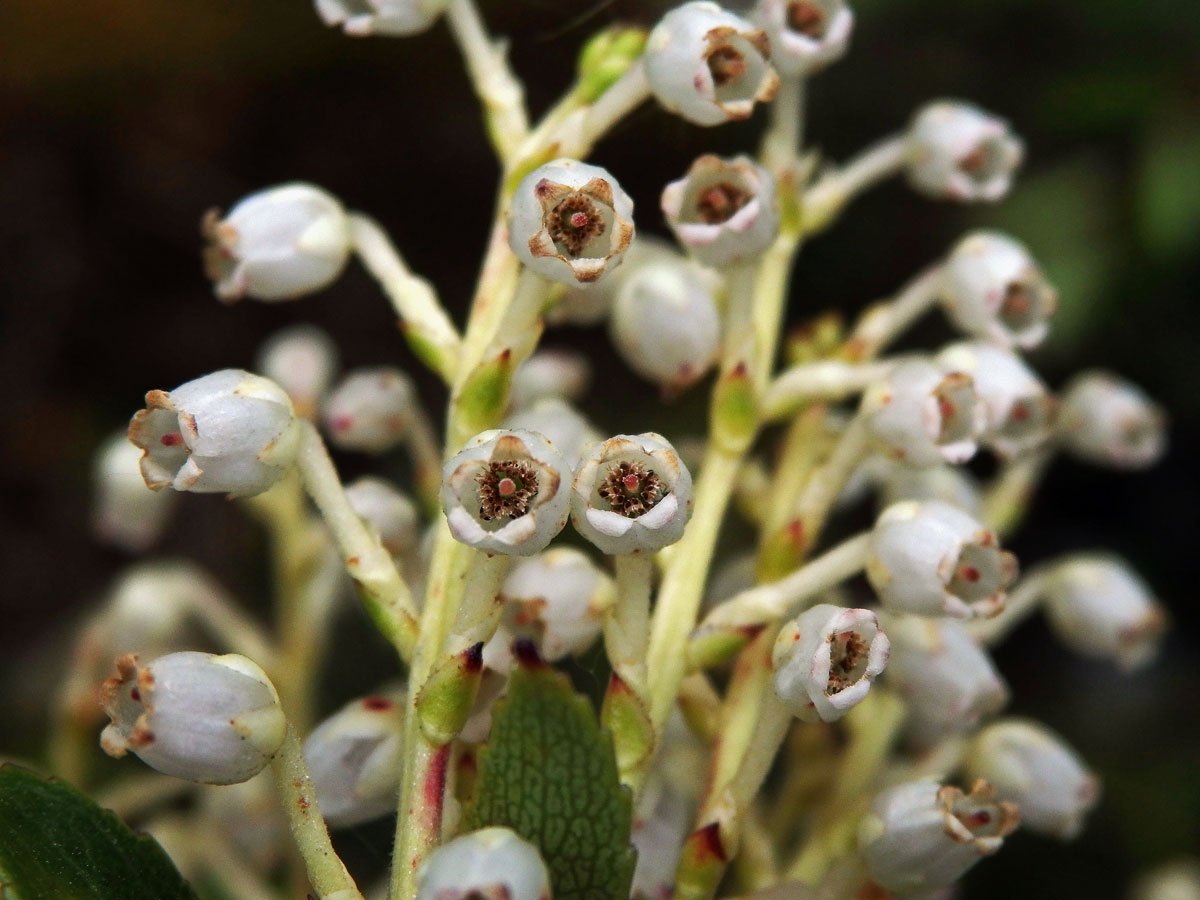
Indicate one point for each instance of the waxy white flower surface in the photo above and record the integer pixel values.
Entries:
(922, 835)
(922, 415)
(825, 661)
(125, 512)
(229, 432)
(206, 718)
(1020, 409)
(570, 222)
(493, 863)
(303, 360)
(389, 511)
(561, 373)
(805, 35)
(993, 289)
(560, 597)
(1034, 768)
(1107, 420)
(386, 18)
(949, 484)
(631, 494)
(1099, 607)
(562, 423)
(957, 151)
(355, 758)
(724, 210)
(370, 409)
(707, 65)
(504, 492)
(278, 244)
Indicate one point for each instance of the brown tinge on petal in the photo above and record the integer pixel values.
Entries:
(551, 193)
(599, 189)
(126, 671)
(624, 237)
(509, 446)
(542, 245)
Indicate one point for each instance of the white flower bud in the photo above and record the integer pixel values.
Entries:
(923, 416)
(957, 151)
(665, 323)
(303, 360)
(1109, 421)
(560, 594)
(213, 719)
(278, 244)
(228, 432)
(1033, 767)
(387, 510)
(564, 374)
(1020, 409)
(561, 422)
(949, 484)
(148, 607)
(922, 835)
(355, 758)
(991, 288)
(125, 512)
(826, 659)
(370, 409)
(947, 680)
(632, 493)
(493, 863)
(589, 304)
(1178, 879)
(724, 210)
(1099, 607)
(932, 559)
(570, 221)
(707, 65)
(386, 18)
(805, 35)
(504, 493)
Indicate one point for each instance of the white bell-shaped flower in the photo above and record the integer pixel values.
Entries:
(561, 373)
(213, 719)
(945, 677)
(303, 360)
(493, 863)
(949, 484)
(825, 661)
(278, 244)
(370, 409)
(386, 18)
(707, 65)
(922, 415)
(125, 512)
(355, 758)
(1020, 408)
(632, 493)
(570, 221)
(1034, 768)
(723, 211)
(1107, 420)
(929, 558)
(921, 835)
(559, 598)
(665, 323)
(389, 511)
(566, 427)
(504, 492)
(589, 304)
(1099, 607)
(805, 35)
(957, 151)
(228, 432)
(992, 288)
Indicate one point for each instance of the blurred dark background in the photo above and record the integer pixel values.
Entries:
(121, 122)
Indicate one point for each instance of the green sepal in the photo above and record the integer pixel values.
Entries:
(607, 56)
(57, 843)
(711, 646)
(625, 716)
(483, 398)
(734, 410)
(445, 701)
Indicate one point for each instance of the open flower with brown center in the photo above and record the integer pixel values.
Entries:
(632, 493)
(708, 65)
(503, 493)
(957, 151)
(805, 35)
(825, 661)
(723, 211)
(570, 221)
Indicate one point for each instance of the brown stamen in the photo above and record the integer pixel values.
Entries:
(847, 650)
(505, 489)
(726, 64)
(631, 489)
(171, 439)
(574, 222)
(806, 18)
(718, 203)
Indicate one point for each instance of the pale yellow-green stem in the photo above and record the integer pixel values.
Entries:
(822, 490)
(384, 592)
(498, 89)
(576, 134)
(882, 323)
(326, 873)
(824, 381)
(756, 866)
(829, 196)
(627, 621)
(426, 454)
(1009, 495)
(785, 134)
(1022, 602)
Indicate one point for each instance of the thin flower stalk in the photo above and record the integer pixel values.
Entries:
(883, 323)
(829, 196)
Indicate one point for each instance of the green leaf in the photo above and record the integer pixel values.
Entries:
(56, 843)
(548, 772)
